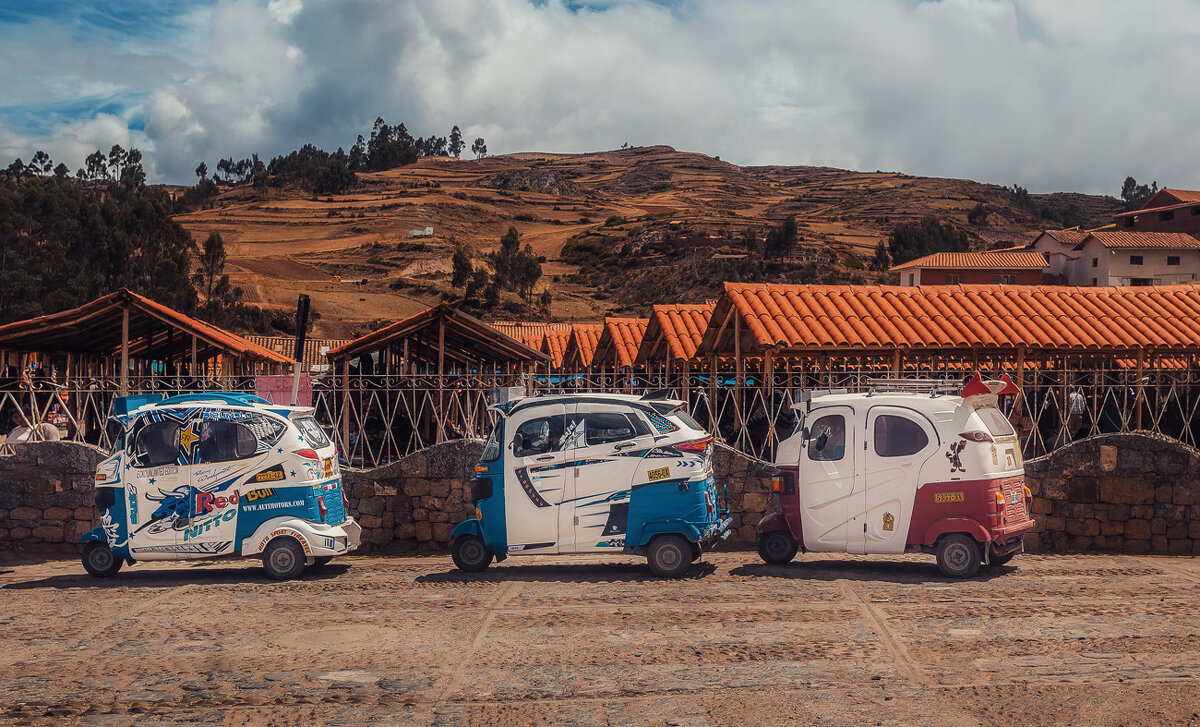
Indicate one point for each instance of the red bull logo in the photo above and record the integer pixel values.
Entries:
(206, 502)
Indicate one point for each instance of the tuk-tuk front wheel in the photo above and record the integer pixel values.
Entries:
(669, 556)
(470, 554)
(777, 547)
(958, 555)
(284, 559)
(99, 560)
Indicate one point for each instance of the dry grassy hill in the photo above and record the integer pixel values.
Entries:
(664, 214)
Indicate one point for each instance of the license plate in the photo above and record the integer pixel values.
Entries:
(1014, 498)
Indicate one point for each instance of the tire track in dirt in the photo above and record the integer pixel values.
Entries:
(905, 664)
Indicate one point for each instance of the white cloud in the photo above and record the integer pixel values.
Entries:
(1042, 93)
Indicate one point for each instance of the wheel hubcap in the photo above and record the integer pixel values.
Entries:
(669, 557)
(472, 553)
(956, 556)
(776, 546)
(282, 559)
(101, 558)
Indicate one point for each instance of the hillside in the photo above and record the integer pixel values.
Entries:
(646, 222)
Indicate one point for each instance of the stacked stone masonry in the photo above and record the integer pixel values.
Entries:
(46, 496)
(1127, 493)
(1130, 493)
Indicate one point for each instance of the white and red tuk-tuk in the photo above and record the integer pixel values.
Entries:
(901, 470)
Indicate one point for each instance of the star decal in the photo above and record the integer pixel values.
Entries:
(188, 437)
(293, 473)
(152, 480)
(280, 450)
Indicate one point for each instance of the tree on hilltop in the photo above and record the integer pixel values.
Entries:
(456, 142)
(479, 148)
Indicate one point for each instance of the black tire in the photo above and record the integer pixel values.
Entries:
(99, 560)
(958, 556)
(670, 556)
(284, 559)
(697, 551)
(470, 553)
(322, 560)
(777, 547)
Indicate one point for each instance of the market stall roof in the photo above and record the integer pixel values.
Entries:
(554, 345)
(467, 339)
(674, 331)
(802, 319)
(581, 346)
(619, 341)
(155, 332)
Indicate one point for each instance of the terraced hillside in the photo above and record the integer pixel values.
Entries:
(668, 226)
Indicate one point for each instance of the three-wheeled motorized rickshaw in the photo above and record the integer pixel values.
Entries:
(218, 473)
(593, 473)
(905, 467)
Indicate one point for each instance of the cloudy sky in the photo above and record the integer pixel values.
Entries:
(1048, 94)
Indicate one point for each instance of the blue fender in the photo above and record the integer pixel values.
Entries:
(665, 527)
(95, 535)
(467, 527)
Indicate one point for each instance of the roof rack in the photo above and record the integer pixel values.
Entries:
(933, 387)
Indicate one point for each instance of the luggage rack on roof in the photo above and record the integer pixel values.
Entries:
(933, 387)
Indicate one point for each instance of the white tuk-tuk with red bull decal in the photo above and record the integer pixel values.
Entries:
(894, 471)
(213, 474)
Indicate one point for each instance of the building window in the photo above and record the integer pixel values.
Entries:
(1095, 261)
(953, 279)
(911, 276)
(1141, 281)
(1135, 259)
(1093, 282)
(1047, 256)
(1006, 279)
(1172, 259)
(1130, 221)
(1166, 216)
(1196, 210)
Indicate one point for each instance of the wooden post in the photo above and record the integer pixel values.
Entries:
(441, 415)
(345, 408)
(896, 363)
(125, 351)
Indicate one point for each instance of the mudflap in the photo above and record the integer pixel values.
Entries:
(1014, 545)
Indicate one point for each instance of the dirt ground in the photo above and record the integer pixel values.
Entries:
(1095, 640)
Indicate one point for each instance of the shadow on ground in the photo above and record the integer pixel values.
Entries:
(569, 573)
(195, 574)
(854, 570)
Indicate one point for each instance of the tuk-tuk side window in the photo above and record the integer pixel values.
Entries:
(827, 439)
(491, 450)
(313, 433)
(538, 436)
(608, 427)
(640, 428)
(225, 442)
(157, 444)
(898, 436)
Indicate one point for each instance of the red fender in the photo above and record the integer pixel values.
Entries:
(956, 525)
(772, 522)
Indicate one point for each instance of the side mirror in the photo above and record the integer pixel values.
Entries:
(805, 435)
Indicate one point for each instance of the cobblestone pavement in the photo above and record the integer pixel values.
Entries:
(1090, 639)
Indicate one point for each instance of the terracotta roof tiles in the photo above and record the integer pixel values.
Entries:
(1123, 240)
(1000, 259)
(581, 346)
(804, 319)
(676, 328)
(554, 344)
(618, 344)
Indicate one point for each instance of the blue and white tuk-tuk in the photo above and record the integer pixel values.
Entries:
(592, 473)
(213, 474)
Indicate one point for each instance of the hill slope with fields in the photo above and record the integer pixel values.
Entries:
(618, 230)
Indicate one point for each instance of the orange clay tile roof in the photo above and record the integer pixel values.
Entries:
(520, 329)
(679, 328)
(554, 344)
(618, 344)
(467, 339)
(1006, 260)
(815, 318)
(1066, 237)
(1120, 240)
(95, 328)
(582, 345)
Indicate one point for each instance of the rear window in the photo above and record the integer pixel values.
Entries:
(603, 428)
(687, 419)
(995, 421)
(898, 436)
(313, 433)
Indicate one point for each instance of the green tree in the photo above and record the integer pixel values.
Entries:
(978, 215)
(750, 240)
(882, 260)
(41, 163)
(781, 239)
(463, 270)
(456, 142)
(1136, 195)
(911, 240)
(202, 171)
(211, 280)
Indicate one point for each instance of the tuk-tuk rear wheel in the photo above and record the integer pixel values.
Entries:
(284, 559)
(470, 553)
(777, 547)
(99, 560)
(958, 555)
(669, 556)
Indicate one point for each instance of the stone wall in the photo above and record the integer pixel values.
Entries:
(414, 503)
(46, 496)
(1128, 493)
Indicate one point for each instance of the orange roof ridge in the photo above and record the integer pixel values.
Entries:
(1019, 258)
